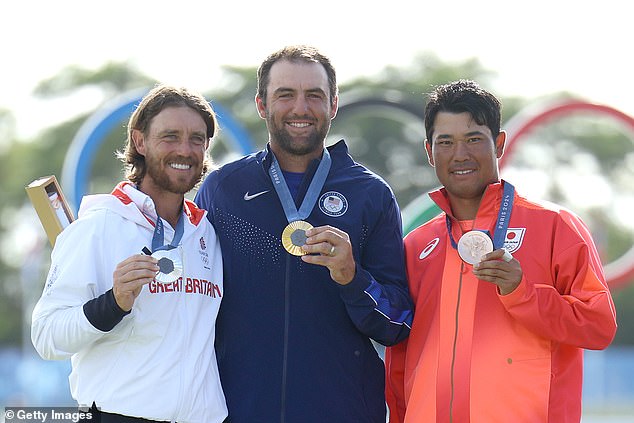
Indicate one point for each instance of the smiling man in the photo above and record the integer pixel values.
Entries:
(139, 326)
(507, 291)
(301, 305)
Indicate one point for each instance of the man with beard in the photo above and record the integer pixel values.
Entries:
(313, 261)
(136, 282)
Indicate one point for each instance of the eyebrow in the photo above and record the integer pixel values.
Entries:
(466, 135)
(170, 131)
(310, 90)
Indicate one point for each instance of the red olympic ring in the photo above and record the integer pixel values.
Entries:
(621, 271)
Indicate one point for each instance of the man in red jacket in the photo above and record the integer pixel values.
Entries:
(507, 291)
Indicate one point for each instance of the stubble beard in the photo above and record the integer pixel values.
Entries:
(154, 170)
(287, 143)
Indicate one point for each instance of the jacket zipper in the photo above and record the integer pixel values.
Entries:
(286, 330)
(455, 342)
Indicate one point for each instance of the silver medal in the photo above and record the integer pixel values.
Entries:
(170, 265)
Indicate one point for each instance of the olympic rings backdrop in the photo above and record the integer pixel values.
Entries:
(80, 156)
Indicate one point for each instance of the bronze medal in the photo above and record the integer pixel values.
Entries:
(473, 245)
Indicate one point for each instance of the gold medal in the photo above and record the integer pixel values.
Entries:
(473, 245)
(170, 265)
(294, 237)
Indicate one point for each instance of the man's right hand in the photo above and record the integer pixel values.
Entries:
(130, 276)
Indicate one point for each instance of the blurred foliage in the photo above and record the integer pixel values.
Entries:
(380, 117)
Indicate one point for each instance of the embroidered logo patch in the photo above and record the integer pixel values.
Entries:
(333, 204)
(204, 257)
(514, 238)
(429, 248)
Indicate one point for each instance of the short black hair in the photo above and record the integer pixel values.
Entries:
(463, 96)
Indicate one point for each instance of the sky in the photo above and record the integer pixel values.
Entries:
(536, 47)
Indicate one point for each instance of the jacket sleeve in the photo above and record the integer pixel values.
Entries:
(59, 326)
(377, 299)
(203, 198)
(395, 381)
(577, 309)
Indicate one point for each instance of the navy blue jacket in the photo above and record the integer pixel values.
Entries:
(292, 344)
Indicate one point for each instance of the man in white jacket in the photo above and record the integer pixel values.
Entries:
(136, 281)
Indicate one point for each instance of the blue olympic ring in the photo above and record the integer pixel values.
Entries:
(81, 153)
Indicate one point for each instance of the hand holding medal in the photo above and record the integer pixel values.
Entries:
(500, 268)
(324, 245)
(129, 277)
(330, 247)
(490, 260)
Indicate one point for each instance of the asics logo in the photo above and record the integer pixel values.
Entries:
(248, 196)
(429, 248)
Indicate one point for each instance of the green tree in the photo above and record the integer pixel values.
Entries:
(380, 118)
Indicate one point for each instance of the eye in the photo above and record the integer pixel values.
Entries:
(198, 140)
(170, 137)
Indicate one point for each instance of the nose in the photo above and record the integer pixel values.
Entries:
(461, 151)
(186, 146)
(300, 106)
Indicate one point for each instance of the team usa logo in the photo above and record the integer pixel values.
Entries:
(333, 204)
(514, 238)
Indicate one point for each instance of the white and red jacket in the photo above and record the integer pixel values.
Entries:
(156, 362)
(476, 356)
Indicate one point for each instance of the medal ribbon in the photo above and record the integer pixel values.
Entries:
(159, 235)
(504, 216)
(316, 184)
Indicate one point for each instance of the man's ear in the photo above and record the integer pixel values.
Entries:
(259, 104)
(139, 141)
(428, 150)
(335, 107)
(500, 142)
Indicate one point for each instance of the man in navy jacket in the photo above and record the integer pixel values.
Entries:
(313, 260)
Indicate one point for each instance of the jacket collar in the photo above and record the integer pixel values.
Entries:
(488, 205)
(265, 157)
(128, 193)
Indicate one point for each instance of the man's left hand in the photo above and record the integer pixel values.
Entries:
(330, 247)
(493, 268)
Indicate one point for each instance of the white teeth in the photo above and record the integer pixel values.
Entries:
(462, 172)
(299, 125)
(180, 166)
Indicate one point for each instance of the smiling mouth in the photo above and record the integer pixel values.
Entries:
(298, 124)
(180, 166)
(463, 172)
